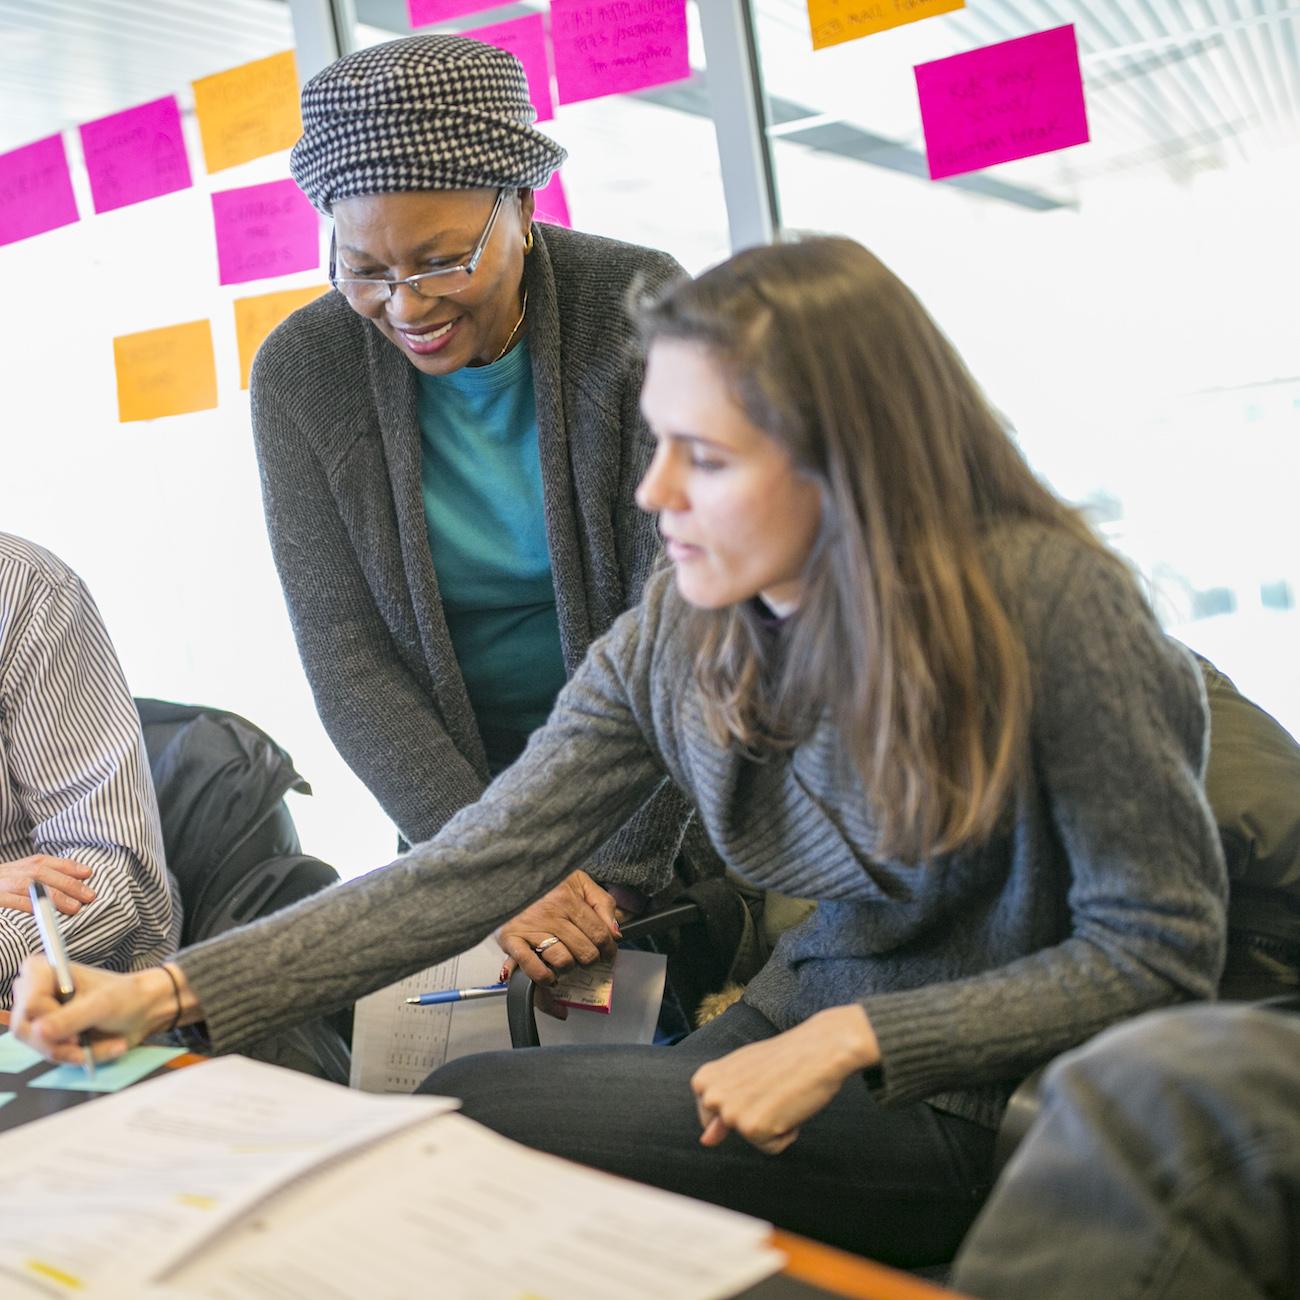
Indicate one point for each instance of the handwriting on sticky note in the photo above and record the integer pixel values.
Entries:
(169, 371)
(1001, 102)
(835, 21)
(256, 317)
(249, 111)
(265, 230)
(110, 1077)
(35, 190)
(424, 12)
(550, 203)
(135, 155)
(588, 988)
(610, 47)
(525, 38)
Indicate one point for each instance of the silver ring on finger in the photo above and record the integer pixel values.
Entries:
(545, 944)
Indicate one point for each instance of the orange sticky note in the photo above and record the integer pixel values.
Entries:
(168, 371)
(256, 317)
(835, 21)
(249, 111)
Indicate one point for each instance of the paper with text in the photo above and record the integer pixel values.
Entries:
(1002, 102)
(264, 231)
(136, 154)
(450, 1200)
(835, 21)
(110, 1195)
(604, 48)
(249, 111)
(168, 371)
(35, 190)
(587, 988)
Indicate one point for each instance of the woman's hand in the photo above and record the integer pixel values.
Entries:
(115, 1012)
(766, 1090)
(577, 914)
(65, 879)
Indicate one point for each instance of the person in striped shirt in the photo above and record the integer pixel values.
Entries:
(77, 805)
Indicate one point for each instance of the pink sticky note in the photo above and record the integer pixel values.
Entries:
(525, 38)
(136, 154)
(265, 230)
(35, 190)
(550, 204)
(609, 49)
(1001, 102)
(424, 12)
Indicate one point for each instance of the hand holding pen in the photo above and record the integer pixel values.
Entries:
(56, 954)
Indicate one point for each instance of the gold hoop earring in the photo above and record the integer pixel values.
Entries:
(528, 243)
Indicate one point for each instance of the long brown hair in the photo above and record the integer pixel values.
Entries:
(900, 635)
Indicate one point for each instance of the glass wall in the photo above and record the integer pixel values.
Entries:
(1129, 303)
(161, 517)
(642, 167)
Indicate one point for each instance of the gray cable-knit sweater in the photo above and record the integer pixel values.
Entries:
(1104, 895)
(336, 425)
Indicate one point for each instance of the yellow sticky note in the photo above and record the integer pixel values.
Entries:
(835, 21)
(249, 111)
(256, 317)
(168, 371)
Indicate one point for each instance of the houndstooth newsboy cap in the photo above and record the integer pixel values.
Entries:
(423, 113)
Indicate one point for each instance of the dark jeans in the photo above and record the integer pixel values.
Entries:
(901, 1185)
(1165, 1165)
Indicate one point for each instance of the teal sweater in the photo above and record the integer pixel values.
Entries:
(1102, 897)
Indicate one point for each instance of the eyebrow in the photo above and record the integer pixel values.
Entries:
(429, 246)
(694, 438)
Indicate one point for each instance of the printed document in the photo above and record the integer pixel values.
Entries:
(100, 1198)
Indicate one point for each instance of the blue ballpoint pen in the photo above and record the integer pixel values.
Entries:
(56, 954)
(458, 995)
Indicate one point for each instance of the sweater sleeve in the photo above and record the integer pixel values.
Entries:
(1119, 738)
(581, 775)
(370, 704)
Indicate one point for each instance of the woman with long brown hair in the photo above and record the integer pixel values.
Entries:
(894, 674)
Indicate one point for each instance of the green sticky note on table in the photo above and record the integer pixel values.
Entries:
(126, 1070)
(16, 1056)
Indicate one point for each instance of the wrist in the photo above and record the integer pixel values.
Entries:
(852, 1040)
(168, 999)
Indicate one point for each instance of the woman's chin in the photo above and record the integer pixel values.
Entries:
(703, 595)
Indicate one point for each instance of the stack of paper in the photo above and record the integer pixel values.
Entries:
(101, 1199)
(239, 1181)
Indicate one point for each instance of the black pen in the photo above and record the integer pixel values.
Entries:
(57, 955)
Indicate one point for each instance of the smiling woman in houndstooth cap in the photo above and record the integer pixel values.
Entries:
(449, 446)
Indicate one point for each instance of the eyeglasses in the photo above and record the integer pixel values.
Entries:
(367, 292)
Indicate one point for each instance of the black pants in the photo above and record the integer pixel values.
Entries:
(900, 1185)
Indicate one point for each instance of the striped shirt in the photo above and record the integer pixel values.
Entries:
(74, 779)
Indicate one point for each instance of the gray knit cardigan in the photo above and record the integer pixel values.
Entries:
(335, 420)
(1102, 895)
